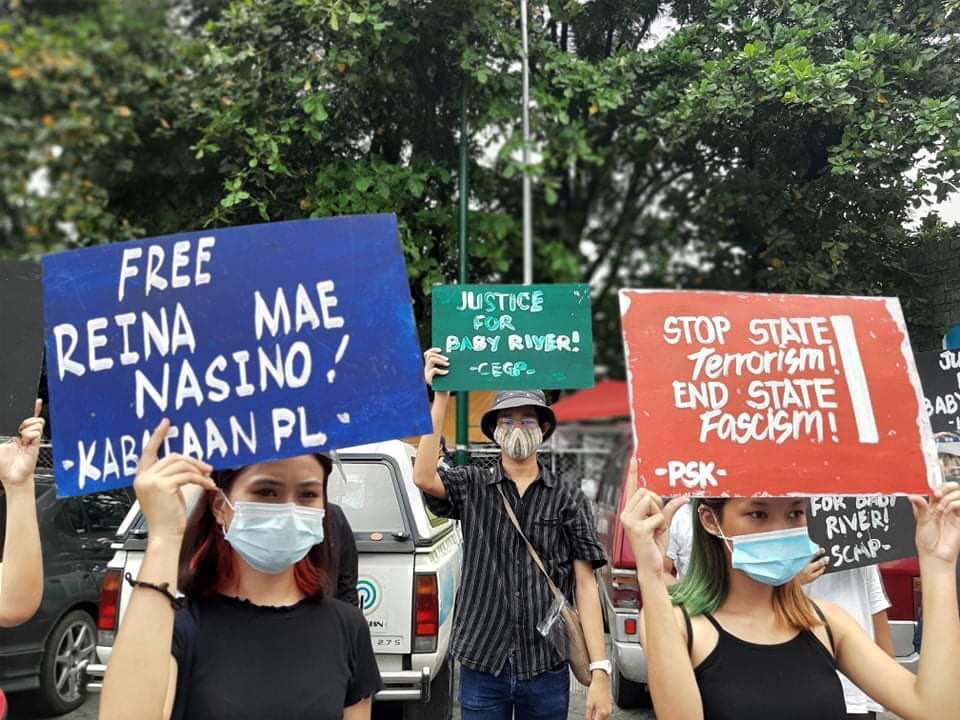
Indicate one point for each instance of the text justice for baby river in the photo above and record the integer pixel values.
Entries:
(720, 381)
(514, 337)
(258, 342)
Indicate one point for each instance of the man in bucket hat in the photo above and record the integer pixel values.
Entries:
(507, 667)
(948, 451)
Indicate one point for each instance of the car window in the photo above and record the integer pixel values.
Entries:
(70, 515)
(105, 511)
(368, 497)
(612, 477)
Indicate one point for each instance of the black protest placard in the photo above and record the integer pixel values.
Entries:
(940, 377)
(859, 530)
(21, 341)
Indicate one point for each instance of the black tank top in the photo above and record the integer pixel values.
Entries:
(795, 680)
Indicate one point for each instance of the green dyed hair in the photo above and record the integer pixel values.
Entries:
(707, 581)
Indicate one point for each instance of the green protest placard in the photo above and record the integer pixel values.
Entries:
(514, 337)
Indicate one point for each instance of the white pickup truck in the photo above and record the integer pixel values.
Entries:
(409, 571)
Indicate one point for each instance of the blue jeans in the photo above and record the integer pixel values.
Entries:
(484, 696)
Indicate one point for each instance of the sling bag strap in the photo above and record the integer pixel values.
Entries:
(578, 656)
(533, 553)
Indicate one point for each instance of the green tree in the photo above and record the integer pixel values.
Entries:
(761, 145)
(90, 101)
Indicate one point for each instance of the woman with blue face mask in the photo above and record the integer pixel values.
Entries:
(738, 640)
(258, 634)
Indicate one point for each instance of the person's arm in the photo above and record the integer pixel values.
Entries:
(881, 633)
(359, 711)
(932, 692)
(599, 704)
(815, 568)
(347, 567)
(670, 677)
(140, 678)
(365, 681)
(425, 465)
(879, 604)
(669, 572)
(588, 556)
(21, 572)
(673, 552)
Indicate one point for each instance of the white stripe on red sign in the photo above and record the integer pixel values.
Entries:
(856, 378)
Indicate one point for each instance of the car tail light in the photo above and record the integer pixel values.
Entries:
(109, 613)
(426, 614)
(630, 626)
(625, 592)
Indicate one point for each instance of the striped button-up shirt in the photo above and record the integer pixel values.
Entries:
(503, 595)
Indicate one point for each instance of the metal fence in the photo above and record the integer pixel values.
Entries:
(45, 458)
(569, 464)
(572, 454)
(575, 455)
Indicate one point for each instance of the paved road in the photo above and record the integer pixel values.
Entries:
(21, 709)
(89, 711)
(577, 698)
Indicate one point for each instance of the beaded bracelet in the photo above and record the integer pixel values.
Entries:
(163, 588)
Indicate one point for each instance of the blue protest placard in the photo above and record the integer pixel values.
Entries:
(258, 342)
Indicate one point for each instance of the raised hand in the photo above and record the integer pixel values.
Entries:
(158, 486)
(815, 568)
(647, 524)
(434, 363)
(938, 523)
(18, 457)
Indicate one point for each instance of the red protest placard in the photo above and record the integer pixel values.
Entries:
(749, 394)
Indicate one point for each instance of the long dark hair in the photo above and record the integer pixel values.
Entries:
(207, 559)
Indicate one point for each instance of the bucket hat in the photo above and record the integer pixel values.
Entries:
(948, 443)
(507, 399)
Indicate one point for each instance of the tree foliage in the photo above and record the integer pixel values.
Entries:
(759, 145)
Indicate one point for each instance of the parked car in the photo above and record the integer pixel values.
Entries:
(48, 652)
(621, 595)
(901, 580)
(409, 569)
(618, 585)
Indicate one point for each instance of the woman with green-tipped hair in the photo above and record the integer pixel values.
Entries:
(737, 639)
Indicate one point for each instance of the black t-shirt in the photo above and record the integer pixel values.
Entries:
(240, 661)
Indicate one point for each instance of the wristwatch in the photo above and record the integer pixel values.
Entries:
(601, 665)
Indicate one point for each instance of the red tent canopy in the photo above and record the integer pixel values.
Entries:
(606, 400)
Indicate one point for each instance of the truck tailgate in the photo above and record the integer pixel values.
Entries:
(384, 587)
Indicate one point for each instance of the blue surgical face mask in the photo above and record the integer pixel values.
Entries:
(773, 558)
(271, 537)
